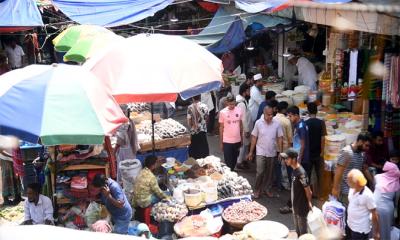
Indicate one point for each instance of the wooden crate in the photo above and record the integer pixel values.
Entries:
(181, 141)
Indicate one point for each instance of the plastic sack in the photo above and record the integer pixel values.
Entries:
(92, 213)
(334, 213)
(316, 222)
(129, 169)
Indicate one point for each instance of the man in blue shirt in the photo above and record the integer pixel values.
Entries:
(269, 96)
(115, 201)
(301, 141)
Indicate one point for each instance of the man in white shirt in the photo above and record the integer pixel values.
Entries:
(241, 102)
(267, 140)
(15, 55)
(38, 208)
(361, 207)
(306, 70)
(256, 97)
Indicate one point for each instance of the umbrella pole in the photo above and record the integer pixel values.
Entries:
(153, 144)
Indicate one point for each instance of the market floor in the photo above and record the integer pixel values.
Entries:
(272, 204)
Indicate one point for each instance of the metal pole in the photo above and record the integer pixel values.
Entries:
(152, 129)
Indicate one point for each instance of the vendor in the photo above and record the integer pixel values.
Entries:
(39, 208)
(113, 197)
(306, 70)
(146, 189)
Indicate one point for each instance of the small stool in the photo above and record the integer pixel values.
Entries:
(144, 215)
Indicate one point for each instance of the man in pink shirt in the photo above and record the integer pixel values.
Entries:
(230, 132)
(267, 139)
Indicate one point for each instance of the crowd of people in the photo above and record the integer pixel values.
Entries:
(253, 127)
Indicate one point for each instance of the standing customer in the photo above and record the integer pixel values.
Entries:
(256, 97)
(241, 99)
(350, 157)
(300, 191)
(113, 197)
(317, 133)
(267, 139)
(127, 143)
(300, 144)
(197, 117)
(361, 206)
(210, 100)
(230, 132)
(386, 188)
(15, 54)
(287, 138)
(269, 96)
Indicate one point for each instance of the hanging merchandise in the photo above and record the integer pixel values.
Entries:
(352, 75)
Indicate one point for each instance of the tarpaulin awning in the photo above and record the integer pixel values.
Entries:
(232, 38)
(223, 19)
(17, 15)
(254, 6)
(110, 13)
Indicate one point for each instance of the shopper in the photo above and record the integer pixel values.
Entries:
(11, 184)
(287, 139)
(113, 197)
(197, 117)
(300, 144)
(361, 206)
(377, 154)
(146, 189)
(300, 191)
(38, 208)
(241, 99)
(127, 144)
(269, 96)
(15, 54)
(256, 97)
(386, 188)
(350, 157)
(266, 138)
(210, 100)
(306, 70)
(4, 67)
(230, 132)
(317, 133)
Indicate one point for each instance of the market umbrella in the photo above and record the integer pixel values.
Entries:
(57, 104)
(156, 68)
(80, 42)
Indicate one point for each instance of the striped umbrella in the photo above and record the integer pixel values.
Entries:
(81, 42)
(57, 104)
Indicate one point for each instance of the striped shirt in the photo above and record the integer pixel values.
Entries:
(356, 162)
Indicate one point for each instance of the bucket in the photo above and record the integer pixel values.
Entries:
(193, 197)
(312, 96)
(333, 145)
(351, 135)
(211, 192)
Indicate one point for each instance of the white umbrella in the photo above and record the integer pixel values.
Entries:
(156, 68)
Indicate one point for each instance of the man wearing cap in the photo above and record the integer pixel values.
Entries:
(306, 70)
(301, 194)
(256, 97)
(361, 207)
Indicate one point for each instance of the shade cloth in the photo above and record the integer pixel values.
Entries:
(110, 13)
(19, 13)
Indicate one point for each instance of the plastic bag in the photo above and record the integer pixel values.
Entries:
(334, 213)
(92, 213)
(316, 222)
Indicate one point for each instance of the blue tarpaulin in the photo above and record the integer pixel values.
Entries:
(254, 6)
(232, 38)
(110, 13)
(223, 19)
(19, 13)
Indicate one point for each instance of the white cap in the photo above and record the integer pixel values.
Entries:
(258, 76)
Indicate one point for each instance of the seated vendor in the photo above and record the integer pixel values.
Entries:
(113, 197)
(39, 208)
(146, 190)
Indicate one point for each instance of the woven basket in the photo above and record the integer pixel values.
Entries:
(181, 141)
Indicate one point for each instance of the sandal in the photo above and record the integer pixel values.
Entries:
(285, 210)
